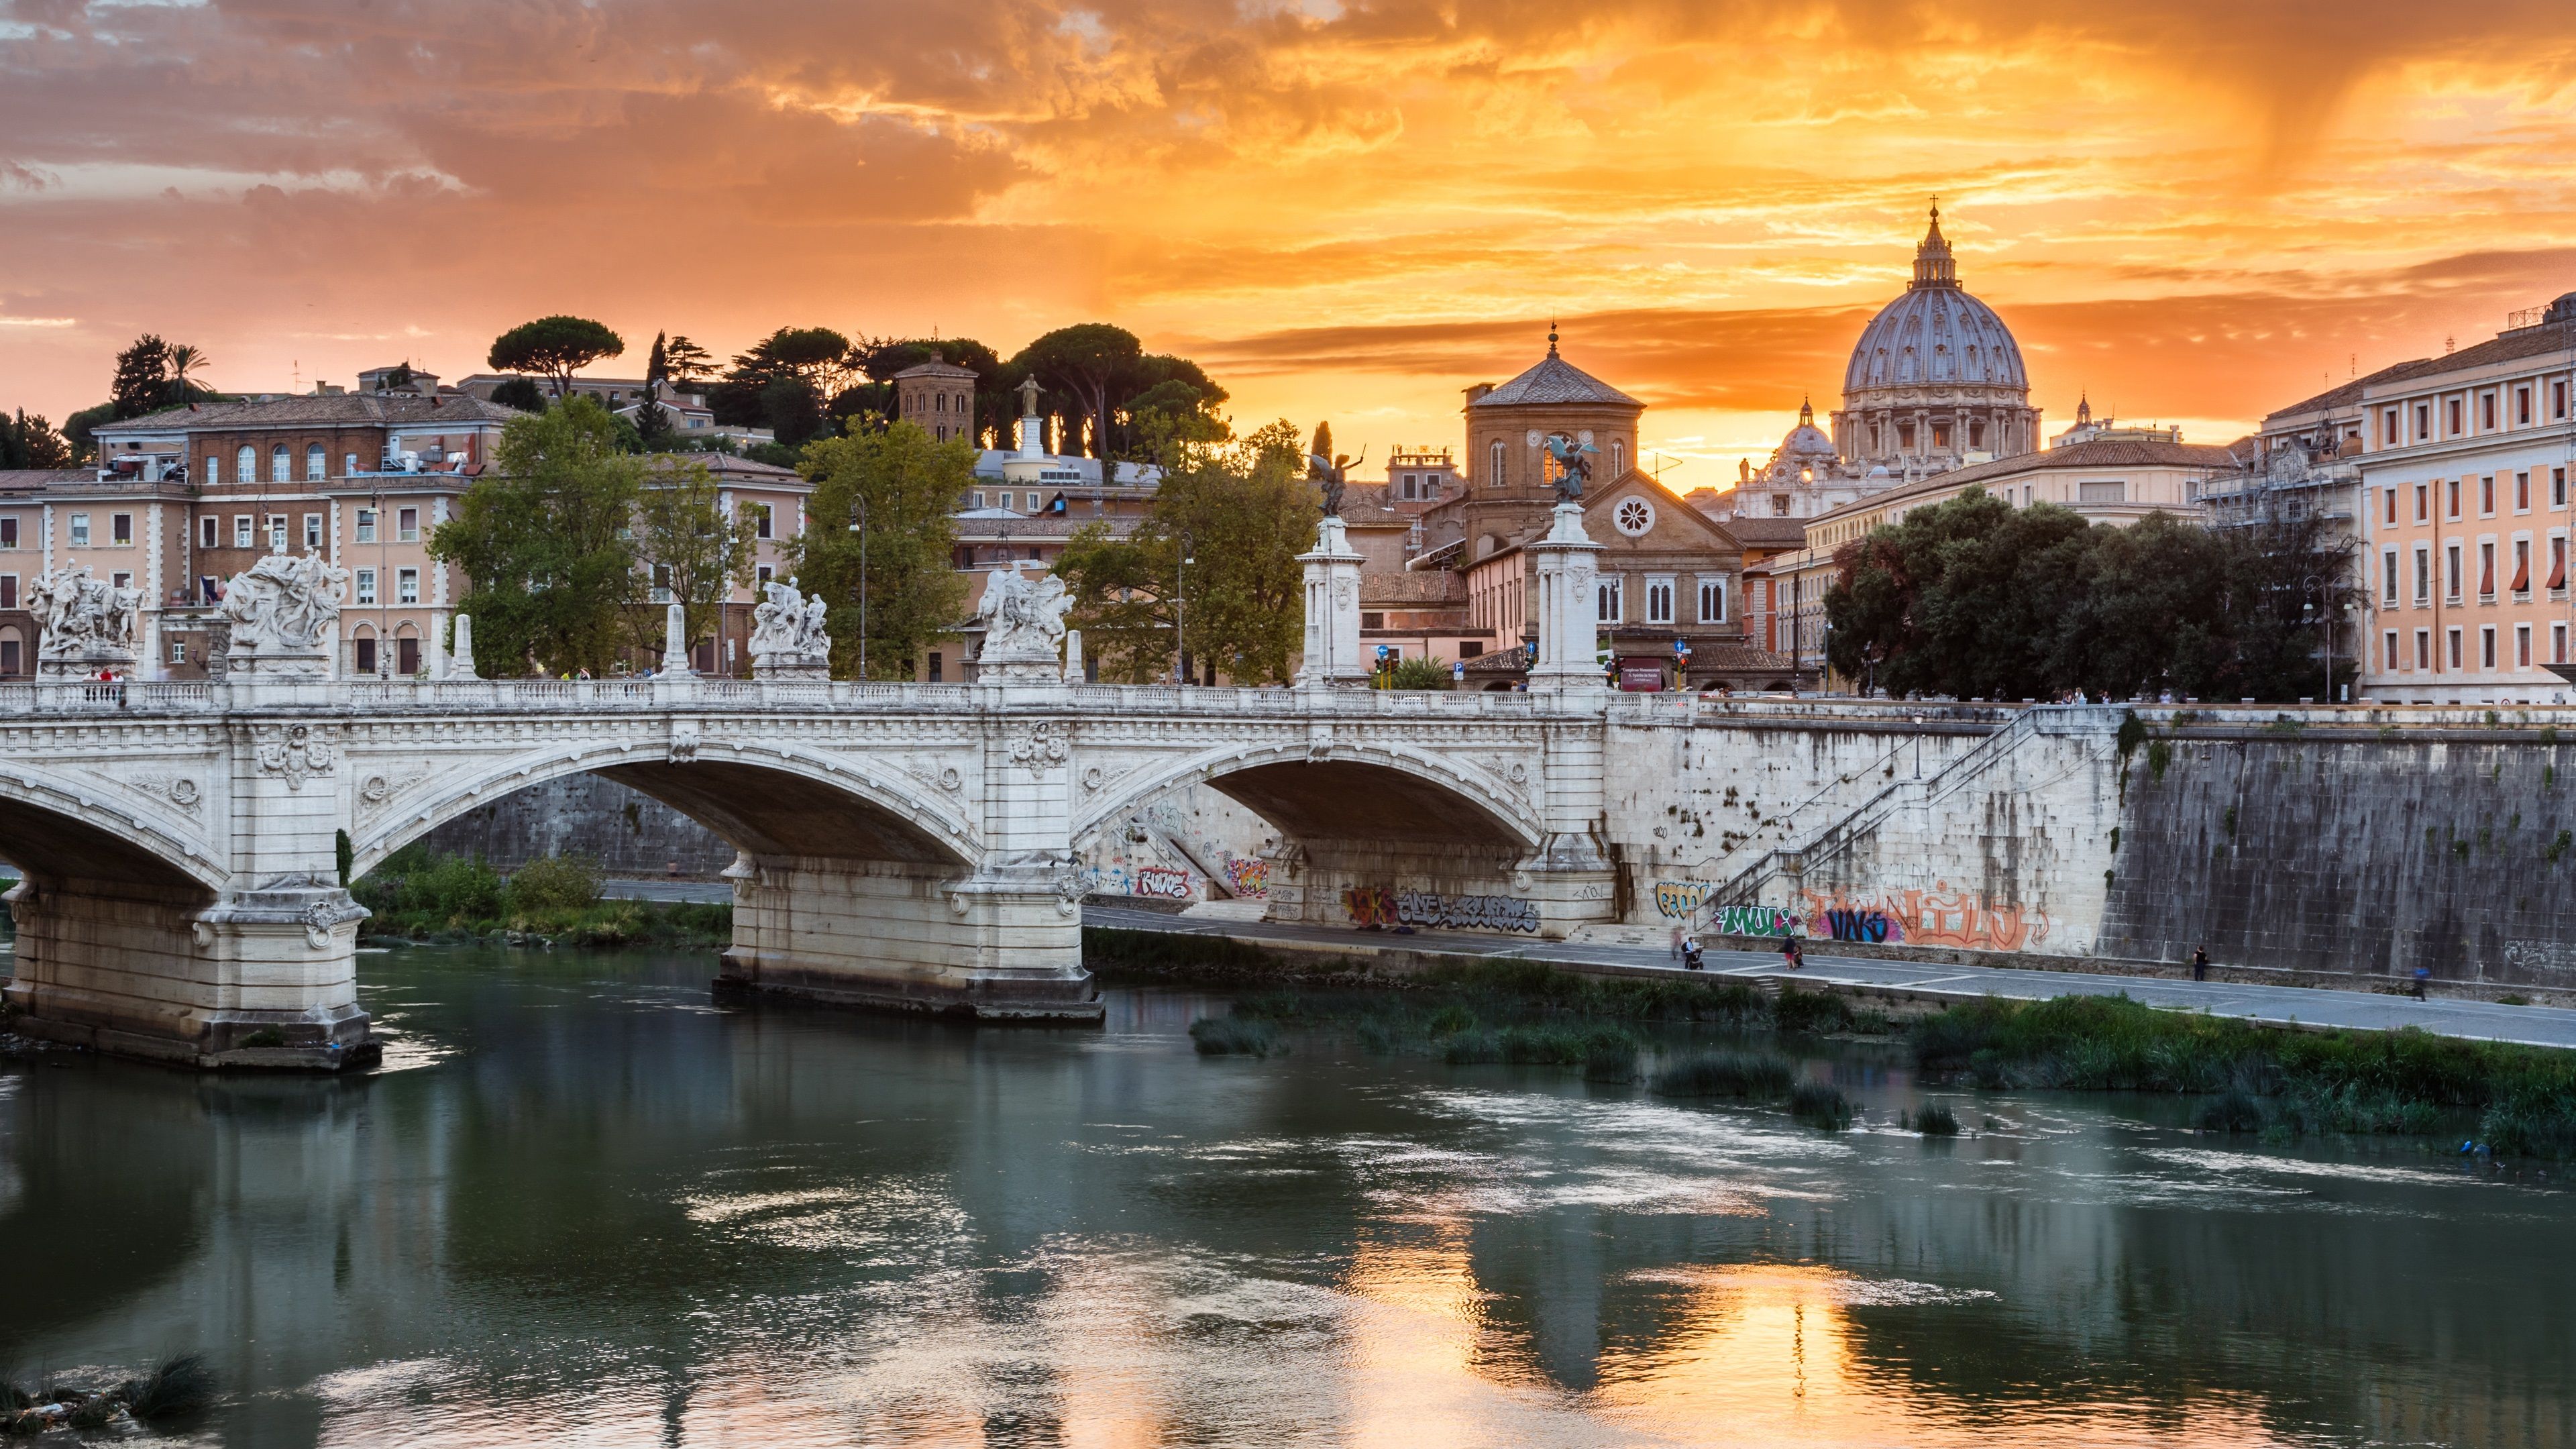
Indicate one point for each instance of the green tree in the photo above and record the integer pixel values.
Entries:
(910, 484)
(142, 382)
(546, 541)
(1240, 514)
(185, 364)
(787, 382)
(687, 363)
(686, 552)
(652, 421)
(521, 393)
(1420, 674)
(554, 348)
(31, 442)
(1170, 424)
(1976, 599)
(1086, 362)
(76, 429)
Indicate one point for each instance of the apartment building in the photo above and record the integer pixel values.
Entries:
(2464, 495)
(182, 500)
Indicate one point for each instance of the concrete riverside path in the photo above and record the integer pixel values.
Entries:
(2277, 1005)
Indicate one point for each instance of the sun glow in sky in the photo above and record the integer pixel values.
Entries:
(2192, 211)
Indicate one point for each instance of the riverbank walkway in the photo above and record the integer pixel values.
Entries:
(2279, 1005)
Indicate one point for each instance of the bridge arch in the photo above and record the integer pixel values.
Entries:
(1341, 791)
(767, 801)
(57, 831)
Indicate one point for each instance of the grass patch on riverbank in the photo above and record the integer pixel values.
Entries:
(2279, 1082)
(420, 895)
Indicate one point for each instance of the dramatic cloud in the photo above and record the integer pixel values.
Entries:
(2190, 210)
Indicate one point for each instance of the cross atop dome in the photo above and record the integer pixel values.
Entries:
(1933, 265)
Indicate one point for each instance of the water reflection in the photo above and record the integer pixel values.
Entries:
(595, 1209)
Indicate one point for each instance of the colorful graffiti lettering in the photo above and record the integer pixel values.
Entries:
(1871, 926)
(1474, 913)
(1249, 879)
(1937, 917)
(1162, 883)
(1370, 906)
(1754, 921)
(1679, 898)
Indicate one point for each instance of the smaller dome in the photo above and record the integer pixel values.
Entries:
(1806, 440)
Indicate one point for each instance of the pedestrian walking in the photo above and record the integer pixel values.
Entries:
(1790, 954)
(2200, 963)
(2423, 975)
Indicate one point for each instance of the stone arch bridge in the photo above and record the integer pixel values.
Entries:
(901, 845)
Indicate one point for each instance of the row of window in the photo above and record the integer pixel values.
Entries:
(120, 530)
(2519, 402)
(1610, 599)
(2453, 640)
(245, 535)
(2454, 491)
(2451, 571)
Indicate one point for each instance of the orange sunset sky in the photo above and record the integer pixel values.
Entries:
(2195, 211)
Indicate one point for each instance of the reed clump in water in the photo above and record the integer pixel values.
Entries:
(1219, 1036)
(1752, 1076)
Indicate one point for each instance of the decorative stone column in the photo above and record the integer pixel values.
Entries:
(1332, 611)
(1567, 613)
(675, 640)
(460, 664)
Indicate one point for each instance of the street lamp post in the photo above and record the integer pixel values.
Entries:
(2325, 621)
(1181, 616)
(859, 526)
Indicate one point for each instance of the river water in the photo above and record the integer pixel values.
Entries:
(581, 1205)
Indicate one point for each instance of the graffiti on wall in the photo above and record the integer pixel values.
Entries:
(1121, 875)
(1247, 877)
(1755, 921)
(1472, 913)
(1376, 906)
(1370, 906)
(1937, 917)
(2540, 957)
(1679, 898)
(1161, 882)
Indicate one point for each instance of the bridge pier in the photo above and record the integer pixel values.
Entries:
(1000, 944)
(262, 978)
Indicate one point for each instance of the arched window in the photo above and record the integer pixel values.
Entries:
(246, 465)
(277, 465)
(1618, 459)
(1494, 468)
(313, 464)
